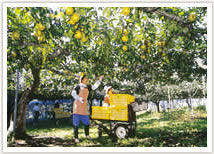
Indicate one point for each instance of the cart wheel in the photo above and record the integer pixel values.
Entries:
(121, 132)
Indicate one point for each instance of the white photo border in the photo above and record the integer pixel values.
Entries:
(111, 149)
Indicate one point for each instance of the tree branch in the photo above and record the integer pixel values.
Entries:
(55, 71)
(171, 16)
(167, 15)
(57, 53)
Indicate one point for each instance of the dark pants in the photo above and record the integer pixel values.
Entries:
(76, 131)
(36, 116)
(76, 121)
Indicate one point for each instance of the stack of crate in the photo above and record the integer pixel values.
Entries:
(118, 109)
(119, 106)
(100, 112)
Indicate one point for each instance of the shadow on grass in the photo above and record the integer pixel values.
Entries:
(186, 134)
(62, 123)
(37, 141)
(149, 133)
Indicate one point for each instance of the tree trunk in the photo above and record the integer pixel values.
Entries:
(169, 99)
(192, 110)
(158, 106)
(20, 131)
(188, 103)
(10, 108)
(21, 118)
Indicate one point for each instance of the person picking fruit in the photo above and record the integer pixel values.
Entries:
(80, 110)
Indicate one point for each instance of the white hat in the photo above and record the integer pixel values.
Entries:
(106, 88)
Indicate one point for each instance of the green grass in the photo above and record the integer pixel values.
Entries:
(168, 129)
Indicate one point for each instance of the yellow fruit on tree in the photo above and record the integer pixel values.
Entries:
(40, 27)
(41, 38)
(69, 11)
(43, 51)
(100, 42)
(181, 13)
(192, 17)
(27, 66)
(125, 48)
(18, 11)
(75, 17)
(149, 44)
(159, 50)
(38, 33)
(78, 35)
(125, 38)
(76, 26)
(15, 35)
(143, 47)
(39, 48)
(66, 72)
(51, 15)
(71, 22)
(44, 45)
(84, 38)
(125, 31)
(159, 44)
(143, 56)
(13, 54)
(125, 11)
(163, 43)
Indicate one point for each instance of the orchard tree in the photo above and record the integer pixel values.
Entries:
(36, 44)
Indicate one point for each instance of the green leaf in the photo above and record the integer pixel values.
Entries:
(181, 13)
(162, 18)
(144, 17)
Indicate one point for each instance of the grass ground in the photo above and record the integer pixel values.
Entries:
(167, 129)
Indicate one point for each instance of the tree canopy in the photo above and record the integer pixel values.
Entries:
(131, 47)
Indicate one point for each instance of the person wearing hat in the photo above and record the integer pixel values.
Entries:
(80, 110)
(108, 91)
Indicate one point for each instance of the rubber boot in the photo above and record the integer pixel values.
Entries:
(76, 132)
(86, 130)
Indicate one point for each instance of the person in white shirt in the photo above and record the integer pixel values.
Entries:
(80, 110)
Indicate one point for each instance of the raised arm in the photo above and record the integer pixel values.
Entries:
(97, 83)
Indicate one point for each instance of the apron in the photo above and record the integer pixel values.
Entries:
(81, 108)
